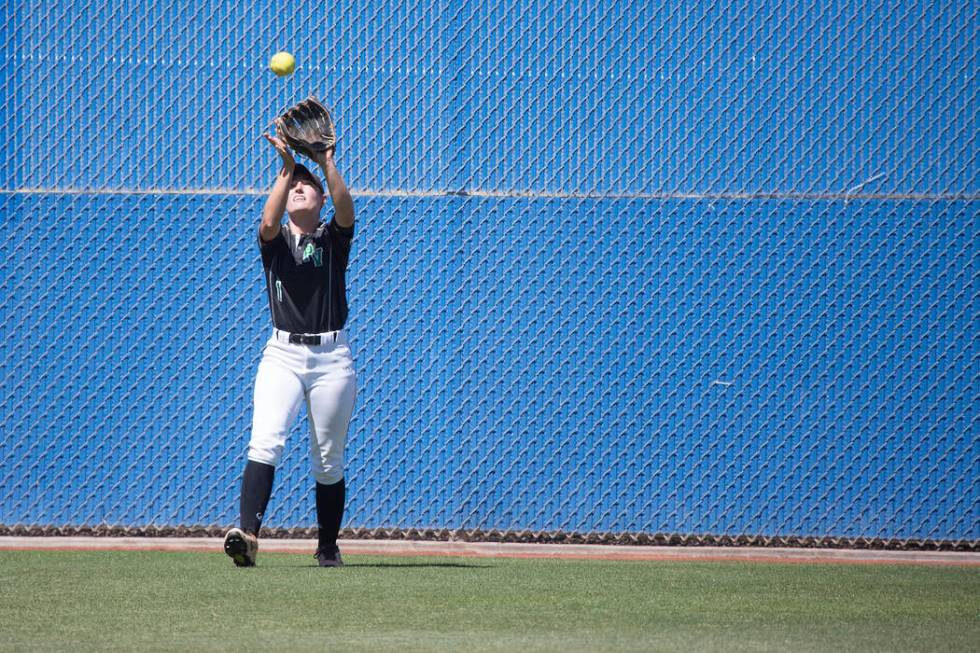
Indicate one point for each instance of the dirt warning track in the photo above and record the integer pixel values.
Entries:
(509, 550)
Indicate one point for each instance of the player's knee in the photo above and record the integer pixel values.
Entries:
(329, 475)
(264, 455)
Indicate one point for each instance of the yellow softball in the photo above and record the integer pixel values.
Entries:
(282, 64)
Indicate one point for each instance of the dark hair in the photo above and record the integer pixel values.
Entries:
(302, 172)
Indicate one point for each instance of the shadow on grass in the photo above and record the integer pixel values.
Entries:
(456, 565)
(388, 565)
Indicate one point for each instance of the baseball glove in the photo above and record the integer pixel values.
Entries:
(308, 128)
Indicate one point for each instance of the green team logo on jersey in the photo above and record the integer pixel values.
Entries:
(315, 253)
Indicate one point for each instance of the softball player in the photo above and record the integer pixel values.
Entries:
(307, 359)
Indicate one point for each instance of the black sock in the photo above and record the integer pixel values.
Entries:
(256, 489)
(330, 512)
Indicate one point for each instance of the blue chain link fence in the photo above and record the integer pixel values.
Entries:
(618, 268)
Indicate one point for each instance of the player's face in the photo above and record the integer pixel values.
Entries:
(303, 197)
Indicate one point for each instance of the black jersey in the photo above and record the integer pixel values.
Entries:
(306, 278)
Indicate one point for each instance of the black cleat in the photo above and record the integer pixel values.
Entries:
(329, 557)
(241, 547)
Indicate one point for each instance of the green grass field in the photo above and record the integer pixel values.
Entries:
(129, 601)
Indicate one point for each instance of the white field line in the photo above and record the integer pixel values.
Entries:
(845, 196)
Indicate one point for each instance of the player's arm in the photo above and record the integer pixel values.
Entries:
(343, 205)
(275, 205)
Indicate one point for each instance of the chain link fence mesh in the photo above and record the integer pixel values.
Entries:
(622, 272)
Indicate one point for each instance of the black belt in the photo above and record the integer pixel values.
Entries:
(310, 339)
(304, 339)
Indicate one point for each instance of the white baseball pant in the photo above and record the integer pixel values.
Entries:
(323, 375)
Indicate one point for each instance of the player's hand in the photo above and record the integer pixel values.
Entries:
(283, 150)
(324, 157)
